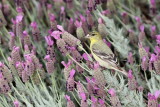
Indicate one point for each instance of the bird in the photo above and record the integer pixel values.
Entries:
(102, 53)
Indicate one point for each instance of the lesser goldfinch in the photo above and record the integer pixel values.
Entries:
(102, 53)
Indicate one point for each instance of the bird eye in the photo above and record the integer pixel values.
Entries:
(93, 34)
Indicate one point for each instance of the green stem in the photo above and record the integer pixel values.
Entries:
(75, 98)
(3, 57)
(77, 63)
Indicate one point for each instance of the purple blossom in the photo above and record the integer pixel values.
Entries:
(96, 65)
(153, 3)
(12, 34)
(83, 96)
(100, 21)
(66, 65)
(137, 19)
(112, 92)
(153, 28)
(142, 28)
(157, 50)
(157, 94)
(62, 9)
(25, 33)
(49, 40)
(67, 98)
(153, 57)
(72, 73)
(34, 25)
(151, 96)
(60, 28)
(56, 34)
(106, 12)
(93, 99)
(16, 103)
(47, 57)
(19, 18)
(78, 24)
(124, 14)
(52, 17)
(49, 6)
(86, 57)
(19, 9)
(13, 21)
(101, 101)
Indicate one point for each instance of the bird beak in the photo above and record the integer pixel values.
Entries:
(88, 36)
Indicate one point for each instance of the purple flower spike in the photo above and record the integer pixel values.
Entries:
(67, 97)
(83, 96)
(142, 28)
(34, 25)
(52, 17)
(25, 33)
(130, 75)
(60, 28)
(157, 94)
(19, 18)
(12, 34)
(151, 96)
(16, 103)
(112, 92)
(56, 34)
(48, 40)
(78, 24)
(101, 101)
(72, 72)
(93, 99)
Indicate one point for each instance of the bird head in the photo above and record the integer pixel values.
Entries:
(93, 36)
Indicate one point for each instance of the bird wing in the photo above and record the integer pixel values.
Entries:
(105, 55)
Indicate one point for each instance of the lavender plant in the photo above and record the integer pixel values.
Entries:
(46, 61)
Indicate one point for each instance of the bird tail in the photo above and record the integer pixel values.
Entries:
(121, 70)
